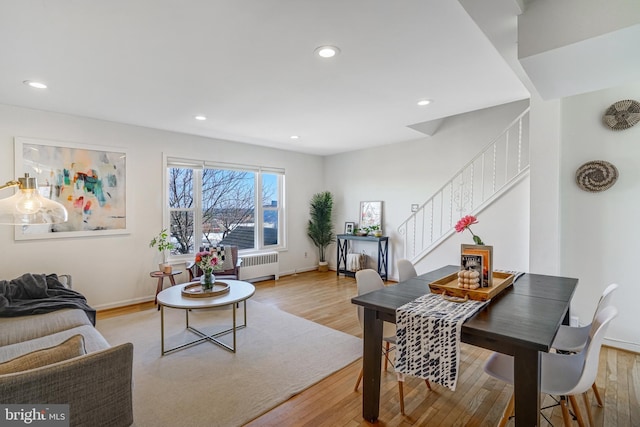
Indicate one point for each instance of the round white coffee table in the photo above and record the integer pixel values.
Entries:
(172, 297)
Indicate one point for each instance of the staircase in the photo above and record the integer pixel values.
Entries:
(497, 168)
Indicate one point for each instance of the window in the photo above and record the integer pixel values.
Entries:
(212, 204)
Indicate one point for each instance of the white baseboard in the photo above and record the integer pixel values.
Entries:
(298, 270)
(622, 345)
(124, 303)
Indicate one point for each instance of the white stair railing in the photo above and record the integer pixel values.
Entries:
(499, 165)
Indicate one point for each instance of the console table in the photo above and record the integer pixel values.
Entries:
(343, 250)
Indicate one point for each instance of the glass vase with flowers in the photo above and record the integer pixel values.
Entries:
(208, 263)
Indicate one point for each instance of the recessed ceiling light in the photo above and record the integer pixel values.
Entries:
(327, 51)
(37, 85)
(200, 117)
(295, 137)
(424, 102)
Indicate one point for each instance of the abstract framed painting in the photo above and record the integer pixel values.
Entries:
(90, 181)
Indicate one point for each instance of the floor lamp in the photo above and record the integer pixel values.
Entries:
(28, 206)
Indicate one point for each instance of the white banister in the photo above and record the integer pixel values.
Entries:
(467, 191)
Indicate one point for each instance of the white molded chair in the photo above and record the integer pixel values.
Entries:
(406, 270)
(561, 374)
(368, 281)
(571, 339)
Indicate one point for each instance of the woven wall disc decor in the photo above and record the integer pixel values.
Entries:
(597, 175)
(622, 114)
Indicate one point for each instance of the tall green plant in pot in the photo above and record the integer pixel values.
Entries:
(320, 228)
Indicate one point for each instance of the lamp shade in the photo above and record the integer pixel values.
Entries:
(28, 206)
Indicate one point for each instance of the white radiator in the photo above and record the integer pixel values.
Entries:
(259, 266)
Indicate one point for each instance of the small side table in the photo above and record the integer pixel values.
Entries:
(160, 276)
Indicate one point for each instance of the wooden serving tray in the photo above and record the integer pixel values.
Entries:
(195, 290)
(448, 286)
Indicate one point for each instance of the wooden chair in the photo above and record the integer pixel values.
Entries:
(232, 273)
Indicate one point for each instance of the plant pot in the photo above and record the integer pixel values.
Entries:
(323, 266)
(377, 233)
(166, 268)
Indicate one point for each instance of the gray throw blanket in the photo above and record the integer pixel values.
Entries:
(39, 293)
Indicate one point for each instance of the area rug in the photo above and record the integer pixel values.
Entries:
(278, 355)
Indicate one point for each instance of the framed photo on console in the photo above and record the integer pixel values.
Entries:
(349, 227)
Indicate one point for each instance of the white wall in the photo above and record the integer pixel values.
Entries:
(570, 47)
(544, 154)
(410, 172)
(597, 234)
(112, 271)
(549, 24)
(503, 225)
(546, 225)
(600, 233)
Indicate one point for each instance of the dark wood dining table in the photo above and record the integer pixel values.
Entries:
(521, 321)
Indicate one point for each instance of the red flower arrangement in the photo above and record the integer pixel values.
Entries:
(464, 223)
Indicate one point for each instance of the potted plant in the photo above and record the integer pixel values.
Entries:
(320, 227)
(362, 231)
(164, 245)
(375, 230)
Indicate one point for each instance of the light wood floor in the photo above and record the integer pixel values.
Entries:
(478, 400)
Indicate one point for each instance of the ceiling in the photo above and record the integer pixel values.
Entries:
(250, 68)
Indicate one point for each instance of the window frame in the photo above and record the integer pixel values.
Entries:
(198, 166)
